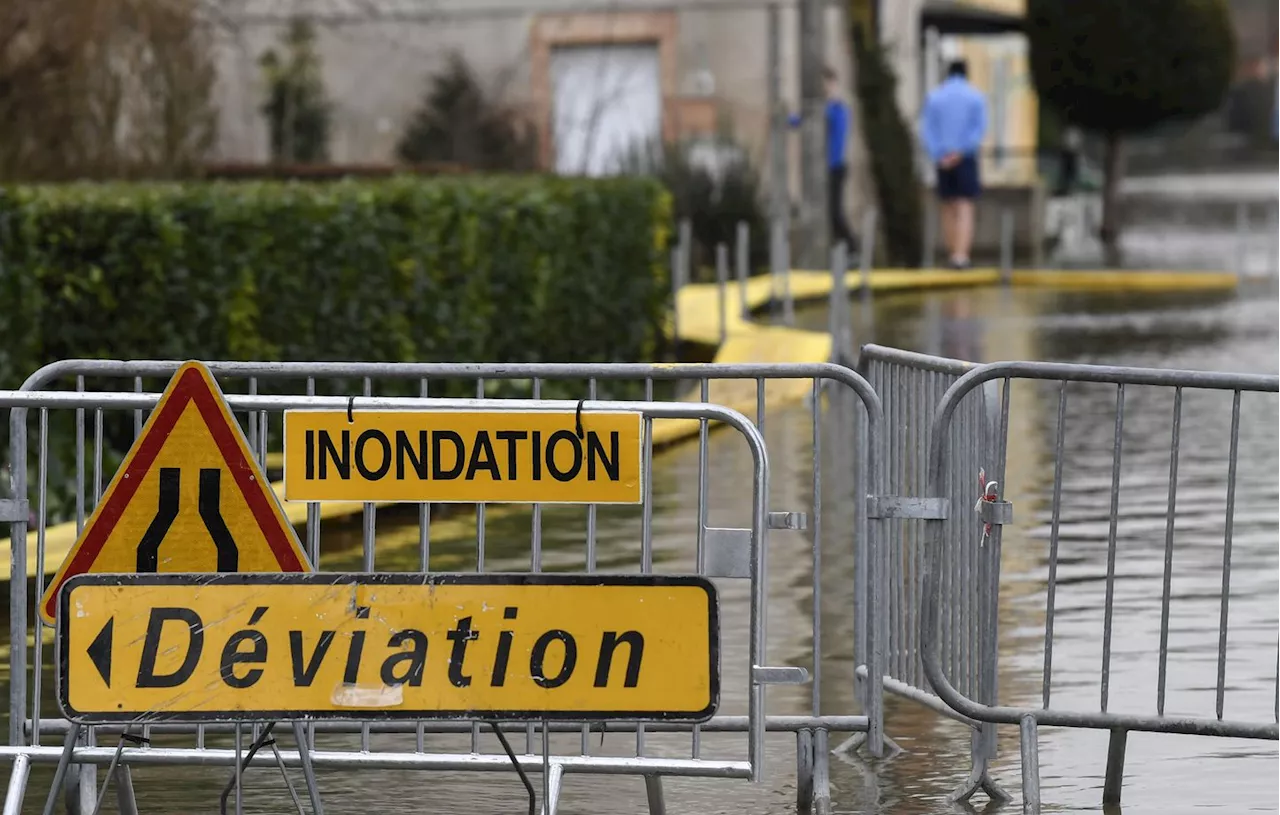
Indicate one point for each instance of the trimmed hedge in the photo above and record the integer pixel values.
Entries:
(408, 269)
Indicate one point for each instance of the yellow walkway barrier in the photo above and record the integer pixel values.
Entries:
(745, 342)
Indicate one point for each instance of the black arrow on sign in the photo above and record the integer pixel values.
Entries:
(100, 651)
(210, 505)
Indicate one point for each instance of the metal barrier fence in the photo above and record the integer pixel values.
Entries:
(942, 553)
(712, 554)
(909, 385)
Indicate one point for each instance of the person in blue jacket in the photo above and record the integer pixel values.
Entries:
(838, 122)
(952, 126)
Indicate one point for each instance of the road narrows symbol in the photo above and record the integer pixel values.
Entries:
(149, 547)
(211, 514)
(190, 468)
(210, 504)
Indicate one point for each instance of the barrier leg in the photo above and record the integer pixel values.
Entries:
(60, 774)
(288, 782)
(126, 801)
(308, 772)
(653, 790)
(804, 772)
(821, 776)
(555, 776)
(849, 747)
(71, 791)
(1115, 766)
(17, 785)
(86, 801)
(979, 777)
(1030, 743)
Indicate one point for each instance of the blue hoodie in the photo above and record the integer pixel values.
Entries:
(837, 131)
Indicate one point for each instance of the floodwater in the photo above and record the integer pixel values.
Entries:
(1163, 773)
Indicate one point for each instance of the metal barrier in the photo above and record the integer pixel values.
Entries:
(713, 555)
(948, 550)
(909, 385)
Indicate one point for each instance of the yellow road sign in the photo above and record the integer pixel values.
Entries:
(450, 456)
(359, 646)
(188, 497)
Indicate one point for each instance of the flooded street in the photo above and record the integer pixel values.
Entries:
(1164, 774)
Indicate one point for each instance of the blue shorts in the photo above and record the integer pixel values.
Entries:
(960, 181)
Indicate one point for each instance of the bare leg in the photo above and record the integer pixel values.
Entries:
(947, 212)
(963, 228)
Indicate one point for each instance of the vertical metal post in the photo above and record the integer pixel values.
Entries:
(239, 773)
(813, 158)
(546, 768)
(1273, 230)
(675, 298)
(775, 264)
(1006, 245)
(722, 282)
(839, 317)
(1242, 237)
(679, 276)
(60, 773)
(126, 802)
(804, 772)
(833, 304)
(821, 776)
(867, 257)
(778, 192)
(18, 579)
(743, 263)
(779, 188)
(653, 791)
(788, 304)
(927, 256)
(308, 771)
(1030, 766)
(17, 785)
(686, 251)
(1115, 766)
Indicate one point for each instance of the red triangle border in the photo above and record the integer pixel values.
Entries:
(190, 387)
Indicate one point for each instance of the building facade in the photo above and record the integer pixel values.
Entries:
(592, 78)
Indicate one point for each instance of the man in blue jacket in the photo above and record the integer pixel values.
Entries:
(838, 121)
(952, 125)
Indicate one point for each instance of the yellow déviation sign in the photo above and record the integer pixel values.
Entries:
(359, 646)
(462, 457)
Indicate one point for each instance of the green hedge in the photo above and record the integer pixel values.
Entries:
(407, 269)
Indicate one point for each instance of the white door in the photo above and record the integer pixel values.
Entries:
(606, 101)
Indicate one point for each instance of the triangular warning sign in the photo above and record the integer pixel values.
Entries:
(188, 498)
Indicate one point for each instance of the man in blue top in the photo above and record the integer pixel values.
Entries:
(838, 120)
(952, 125)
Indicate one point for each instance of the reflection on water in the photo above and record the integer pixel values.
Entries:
(1164, 773)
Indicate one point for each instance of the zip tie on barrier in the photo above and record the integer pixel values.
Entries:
(990, 493)
(577, 419)
(351, 404)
